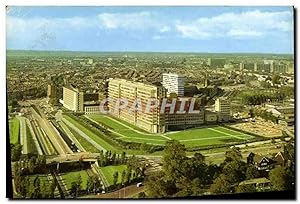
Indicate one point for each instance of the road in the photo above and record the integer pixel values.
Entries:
(126, 192)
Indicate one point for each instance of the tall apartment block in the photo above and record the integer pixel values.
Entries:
(51, 91)
(78, 101)
(174, 83)
(151, 121)
(222, 107)
(72, 99)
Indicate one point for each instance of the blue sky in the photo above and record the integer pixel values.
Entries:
(166, 29)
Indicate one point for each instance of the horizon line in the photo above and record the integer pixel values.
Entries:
(115, 51)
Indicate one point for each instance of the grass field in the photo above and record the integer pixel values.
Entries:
(85, 144)
(108, 172)
(98, 139)
(14, 130)
(72, 176)
(192, 137)
(131, 135)
(30, 143)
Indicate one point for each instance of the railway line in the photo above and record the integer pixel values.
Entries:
(51, 132)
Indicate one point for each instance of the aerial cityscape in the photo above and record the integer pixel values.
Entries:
(150, 102)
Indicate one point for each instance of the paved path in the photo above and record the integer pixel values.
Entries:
(70, 134)
(82, 134)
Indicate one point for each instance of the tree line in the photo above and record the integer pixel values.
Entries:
(182, 176)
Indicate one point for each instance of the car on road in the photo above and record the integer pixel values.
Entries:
(139, 184)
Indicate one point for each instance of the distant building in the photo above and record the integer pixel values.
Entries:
(249, 66)
(51, 91)
(216, 62)
(222, 107)
(290, 68)
(269, 66)
(174, 83)
(90, 61)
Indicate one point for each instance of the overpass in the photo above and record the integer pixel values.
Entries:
(74, 157)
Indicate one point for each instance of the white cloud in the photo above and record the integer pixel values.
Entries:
(244, 33)
(165, 29)
(135, 20)
(237, 25)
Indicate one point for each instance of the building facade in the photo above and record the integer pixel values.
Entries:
(174, 83)
(72, 98)
(222, 107)
(77, 100)
(137, 94)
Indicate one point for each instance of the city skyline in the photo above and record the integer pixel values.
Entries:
(152, 29)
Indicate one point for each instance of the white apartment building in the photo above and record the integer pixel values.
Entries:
(174, 83)
(222, 107)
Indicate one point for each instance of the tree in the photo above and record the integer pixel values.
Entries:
(235, 171)
(76, 186)
(123, 176)
(173, 160)
(128, 174)
(25, 186)
(251, 113)
(158, 187)
(281, 178)
(89, 185)
(45, 190)
(16, 152)
(36, 188)
(52, 189)
(221, 185)
(123, 158)
(233, 154)
(245, 189)
(141, 195)
(115, 177)
(276, 79)
(252, 172)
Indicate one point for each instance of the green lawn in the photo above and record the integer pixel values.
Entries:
(72, 176)
(108, 172)
(14, 130)
(93, 136)
(192, 137)
(85, 144)
(42, 177)
(127, 131)
(99, 140)
(30, 143)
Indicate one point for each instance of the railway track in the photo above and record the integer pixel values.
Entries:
(51, 132)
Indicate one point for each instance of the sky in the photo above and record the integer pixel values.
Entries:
(155, 29)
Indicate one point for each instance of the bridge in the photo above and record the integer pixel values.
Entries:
(73, 157)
